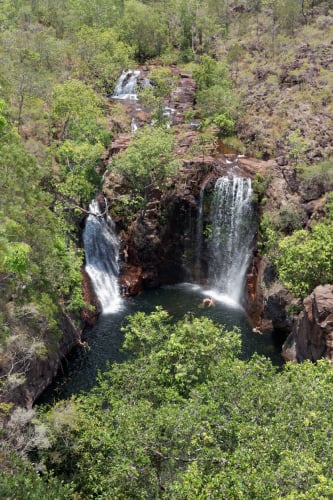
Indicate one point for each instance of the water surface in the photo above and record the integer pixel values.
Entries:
(105, 338)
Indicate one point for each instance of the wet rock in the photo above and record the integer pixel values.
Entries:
(89, 314)
(131, 281)
(312, 334)
(276, 309)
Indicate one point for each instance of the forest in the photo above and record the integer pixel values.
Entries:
(183, 416)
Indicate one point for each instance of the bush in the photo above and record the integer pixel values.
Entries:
(305, 259)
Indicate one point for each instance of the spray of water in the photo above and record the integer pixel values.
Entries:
(101, 251)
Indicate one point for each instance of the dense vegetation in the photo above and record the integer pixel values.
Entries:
(183, 417)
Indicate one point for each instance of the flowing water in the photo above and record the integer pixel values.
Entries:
(101, 252)
(126, 87)
(232, 227)
(232, 233)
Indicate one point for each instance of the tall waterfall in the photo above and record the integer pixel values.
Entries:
(233, 229)
(126, 87)
(101, 251)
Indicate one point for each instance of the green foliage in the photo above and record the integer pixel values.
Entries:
(225, 124)
(148, 162)
(268, 235)
(275, 225)
(79, 125)
(185, 418)
(161, 80)
(18, 479)
(36, 261)
(102, 56)
(181, 355)
(259, 185)
(305, 258)
(16, 261)
(209, 72)
(298, 146)
(77, 112)
(215, 98)
(144, 29)
(152, 96)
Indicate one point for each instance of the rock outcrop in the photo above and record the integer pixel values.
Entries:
(34, 353)
(312, 334)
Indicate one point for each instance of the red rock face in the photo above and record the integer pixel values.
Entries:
(130, 282)
(89, 315)
(312, 334)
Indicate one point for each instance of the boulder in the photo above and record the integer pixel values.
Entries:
(312, 334)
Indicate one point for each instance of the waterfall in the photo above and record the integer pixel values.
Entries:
(233, 229)
(126, 87)
(101, 251)
(134, 125)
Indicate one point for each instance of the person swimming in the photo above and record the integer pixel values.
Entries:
(208, 301)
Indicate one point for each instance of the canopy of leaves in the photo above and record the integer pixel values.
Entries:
(183, 417)
(305, 258)
(148, 162)
(216, 100)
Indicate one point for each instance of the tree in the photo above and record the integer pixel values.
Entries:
(102, 57)
(144, 29)
(183, 417)
(216, 100)
(152, 96)
(148, 162)
(305, 258)
(80, 129)
(77, 112)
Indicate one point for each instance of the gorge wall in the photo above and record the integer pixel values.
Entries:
(312, 334)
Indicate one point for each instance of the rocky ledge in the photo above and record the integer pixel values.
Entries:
(312, 334)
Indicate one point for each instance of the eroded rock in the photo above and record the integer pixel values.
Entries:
(312, 334)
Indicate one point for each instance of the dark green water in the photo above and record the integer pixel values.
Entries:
(105, 338)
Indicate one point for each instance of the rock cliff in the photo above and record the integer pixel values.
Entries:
(312, 334)
(34, 353)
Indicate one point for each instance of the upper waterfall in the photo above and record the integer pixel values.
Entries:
(232, 235)
(126, 86)
(101, 251)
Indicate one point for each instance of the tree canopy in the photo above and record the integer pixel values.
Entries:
(183, 417)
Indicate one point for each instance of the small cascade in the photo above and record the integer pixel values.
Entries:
(101, 251)
(126, 87)
(134, 125)
(233, 230)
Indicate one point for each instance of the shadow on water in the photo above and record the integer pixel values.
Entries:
(105, 338)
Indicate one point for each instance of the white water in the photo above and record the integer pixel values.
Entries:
(232, 236)
(126, 87)
(134, 125)
(101, 250)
